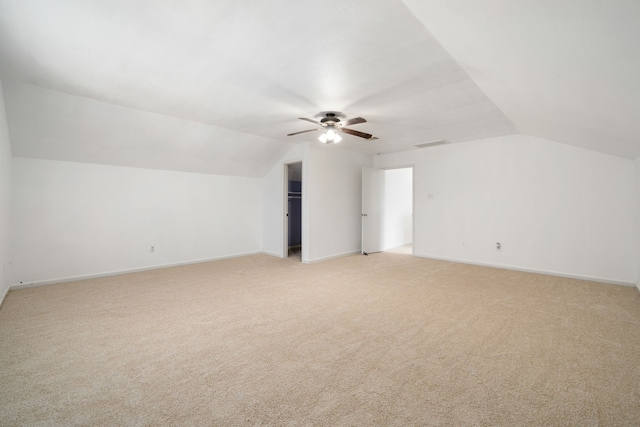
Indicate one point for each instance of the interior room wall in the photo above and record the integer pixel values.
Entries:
(637, 164)
(5, 198)
(273, 215)
(335, 200)
(554, 208)
(398, 209)
(73, 220)
(331, 201)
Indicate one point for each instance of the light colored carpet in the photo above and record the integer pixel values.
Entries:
(385, 339)
(406, 249)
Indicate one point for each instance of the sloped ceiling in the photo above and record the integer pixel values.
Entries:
(565, 70)
(215, 86)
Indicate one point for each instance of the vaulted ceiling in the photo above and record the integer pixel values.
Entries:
(215, 86)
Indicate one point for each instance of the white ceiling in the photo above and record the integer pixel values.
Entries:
(565, 70)
(215, 86)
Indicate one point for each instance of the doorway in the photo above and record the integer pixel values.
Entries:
(293, 210)
(387, 210)
(398, 210)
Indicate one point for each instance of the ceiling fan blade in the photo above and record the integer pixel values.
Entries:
(354, 121)
(309, 120)
(302, 131)
(357, 133)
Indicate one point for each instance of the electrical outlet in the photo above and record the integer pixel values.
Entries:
(153, 249)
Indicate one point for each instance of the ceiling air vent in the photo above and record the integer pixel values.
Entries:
(432, 143)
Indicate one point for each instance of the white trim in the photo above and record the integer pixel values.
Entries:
(407, 166)
(285, 209)
(638, 286)
(275, 254)
(531, 270)
(327, 258)
(127, 271)
(4, 295)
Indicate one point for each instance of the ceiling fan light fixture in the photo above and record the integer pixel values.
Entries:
(329, 136)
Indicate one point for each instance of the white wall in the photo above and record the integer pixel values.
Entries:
(398, 207)
(73, 219)
(5, 198)
(637, 164)
(331, 201)
(554, 208)
(273, 215)
(334, 179)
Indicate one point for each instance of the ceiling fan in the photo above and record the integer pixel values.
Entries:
(332, 125)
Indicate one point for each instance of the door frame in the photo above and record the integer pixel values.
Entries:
(285, 193)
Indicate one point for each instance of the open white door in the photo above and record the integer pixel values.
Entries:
(372, 210)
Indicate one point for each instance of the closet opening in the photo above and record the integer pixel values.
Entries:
(293, 210)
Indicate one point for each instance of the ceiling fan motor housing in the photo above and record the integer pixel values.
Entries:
(330, 119)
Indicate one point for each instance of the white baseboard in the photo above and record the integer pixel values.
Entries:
(127, 271)
(531, 270)
(327, 258)
(275, 254)
(638, 285)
